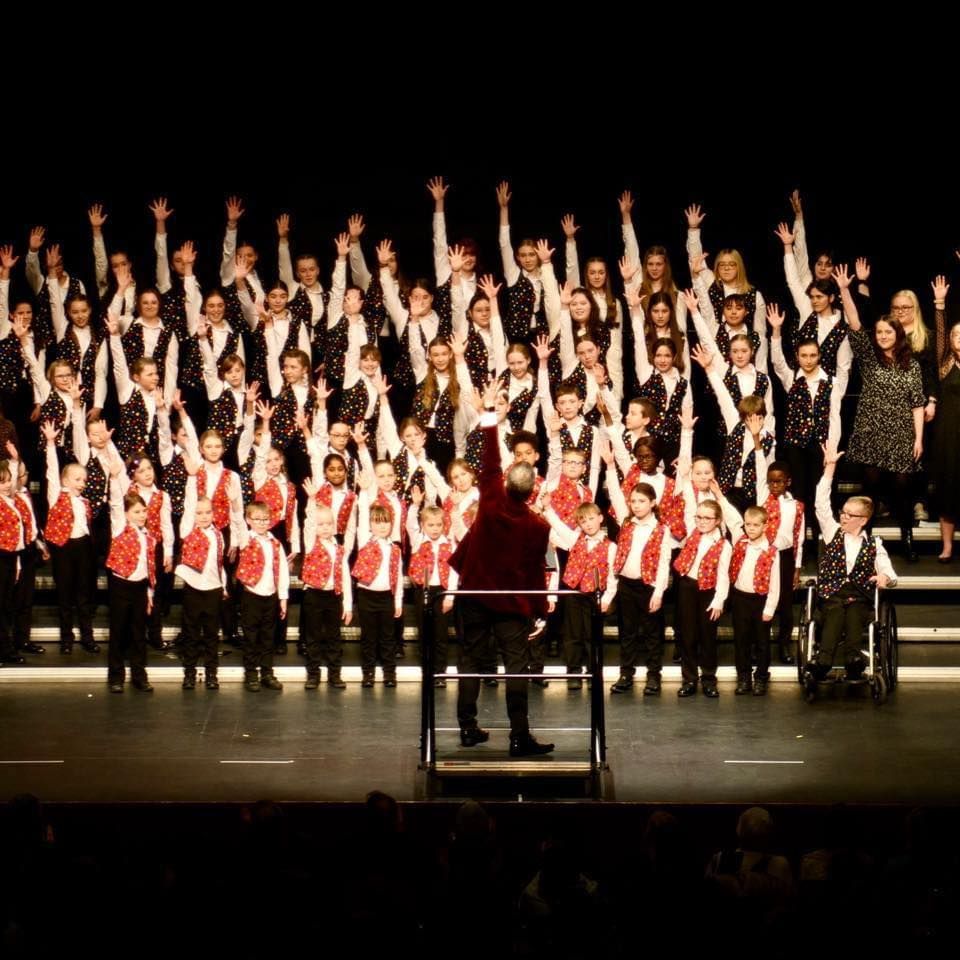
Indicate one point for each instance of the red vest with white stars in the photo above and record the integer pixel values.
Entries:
(421, 564)
(11, 523)
(154, 508)
(707, 574)
(60, 520)
(196, 546)
(368, 561)
(22, 502)
(582, 562)
(761, 573)
(220, 500)
(567, 497)
(772, 506)
(317, 568)
(125, 554)
(325, 498)
(271, 494)
(649, 559)
(250, 567)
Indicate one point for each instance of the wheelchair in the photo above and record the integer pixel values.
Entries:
(883, 664)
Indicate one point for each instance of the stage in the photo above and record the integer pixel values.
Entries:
(70, 740)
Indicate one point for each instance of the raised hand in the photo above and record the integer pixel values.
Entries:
(252, 392)
(491, 289)
(384, 252)
(830, 455)
(264, 410)
(698, 263)
(364, 480)
(694, 216)
(566, 294)
(754, 424)
(544, 251)
(702, 356)
(455, 256)
(774, 316)
(188, 254)
(503, 194)
(783, 232)
(438, 190)
(53, 258)
(358, 433)
(342, 243)
(323, 393)
(7, 259)
(490, 392)
(20, 328)
(459, 346)
(381, 385)
(113, 324)
(283, 226)
(234, 210)
(633, 298)
(124, 278)
(355, 227)
(76, 394)
(242, 271)
(177, 402)
(160, 210)
(625, 202)
(690, 299)
(300, 421)
(628, 269)
(554, 422)
(37, 235)
(687, 420)
(862, 267)
(543, 348)
(940, 288)
(569, 226)
(796, 204)
(842, 276)
(416, 495)
(49, 430)
(97, 217)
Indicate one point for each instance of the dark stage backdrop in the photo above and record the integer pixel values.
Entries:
(874, 198)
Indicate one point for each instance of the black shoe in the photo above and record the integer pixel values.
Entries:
(622, 685)
(906, 540)
(30, 647)
(279, 649)
(540, 681)
(439, 682)
(12, 658)
(302, 649)
(390, 680)
(945, 559)
(116, 686)
(687, 690)
(367, 680)
(313, 681)
(90, 645)
(744, 687)
(401, 651)
(785, 655)
(528, 747)
(189, 681)
(335, 680)
(676, 653)
(211, 682)
(144, 685)
(490, 681)
(574, 684)
(710, 690)
(269, 682)
(652, 686)
(66, 647)
(251, 682)
(471, 736)
(760, 687)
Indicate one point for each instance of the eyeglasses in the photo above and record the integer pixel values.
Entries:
(259, 519)
(902, 308)
(853, 516)
(698, 517)
(578, 462)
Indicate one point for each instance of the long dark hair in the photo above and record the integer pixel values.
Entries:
(650, 331)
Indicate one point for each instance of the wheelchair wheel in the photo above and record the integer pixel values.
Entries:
(801, 653)
(888, 620)
(878, 687)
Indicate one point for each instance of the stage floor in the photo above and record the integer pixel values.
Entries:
(73, 741)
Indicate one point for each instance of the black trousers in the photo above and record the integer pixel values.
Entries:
(843, 617)
(440, 452)
(510, 631)
(201, 628)
(161, 599)
(230, 607)
(641, 632)
(576, 631)
(750, 633)
(377, 637)
(441, 626)
(23, 596)
(806, 469)
(128, 619)
(8, 584)
(75, 572)
(696, 632)
(258, 616)
(785, 603)
(320, 613)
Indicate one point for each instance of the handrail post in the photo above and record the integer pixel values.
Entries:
(428, 747)
(598, 733)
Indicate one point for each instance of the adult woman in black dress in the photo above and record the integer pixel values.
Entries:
(946, 436)
(888, 432)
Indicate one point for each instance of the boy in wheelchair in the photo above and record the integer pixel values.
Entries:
(850, 565)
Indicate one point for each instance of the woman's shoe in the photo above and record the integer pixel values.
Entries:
(947, 559)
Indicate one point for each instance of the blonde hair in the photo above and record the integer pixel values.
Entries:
(741, 284)
(755, 513)
(864, 502)
(256, 508)
(919, 336)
